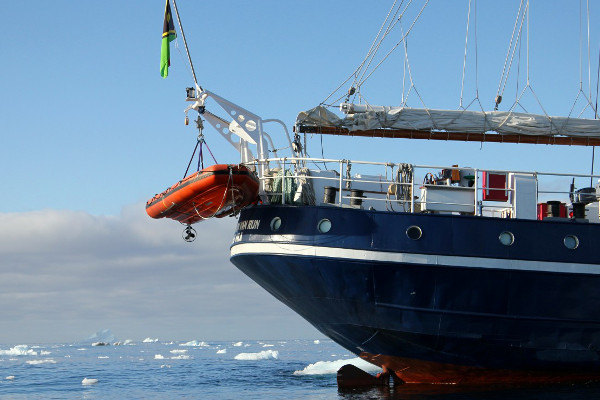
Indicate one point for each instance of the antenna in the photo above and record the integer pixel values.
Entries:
(187, 51)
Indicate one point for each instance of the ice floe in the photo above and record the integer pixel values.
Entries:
(178, 351)
(10, 378)
(149, 340)
(159, 357)
(331, 367)
(262, 355)
(19, 350)
(181, 357)
(89, 381)
(38, 362)
(238, 344)
(221, 351)
(317, 341)
(195, 343)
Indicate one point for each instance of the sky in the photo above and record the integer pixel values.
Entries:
(90, 131)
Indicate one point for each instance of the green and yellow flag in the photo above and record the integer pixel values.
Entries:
(168, 36)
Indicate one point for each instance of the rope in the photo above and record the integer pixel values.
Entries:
(191, 159)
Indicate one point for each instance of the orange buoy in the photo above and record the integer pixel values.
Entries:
(216, 191)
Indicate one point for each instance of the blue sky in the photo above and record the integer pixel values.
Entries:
(90, 131)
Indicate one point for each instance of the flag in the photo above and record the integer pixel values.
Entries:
(168, 36)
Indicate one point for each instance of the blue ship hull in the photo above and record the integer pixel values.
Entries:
(455, 305)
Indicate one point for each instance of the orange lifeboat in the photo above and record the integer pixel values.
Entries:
(216, 191)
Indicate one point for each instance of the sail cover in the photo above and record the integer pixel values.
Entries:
(362, 118)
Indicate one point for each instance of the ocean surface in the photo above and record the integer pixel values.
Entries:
(158, 369)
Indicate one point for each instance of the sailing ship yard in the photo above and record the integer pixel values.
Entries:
(414, 180)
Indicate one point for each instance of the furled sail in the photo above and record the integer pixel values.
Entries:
(365, 118)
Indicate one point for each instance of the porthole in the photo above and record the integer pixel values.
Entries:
(324, 225)
(571, 242)
(414, 232)
(506, 238)
(275, 223)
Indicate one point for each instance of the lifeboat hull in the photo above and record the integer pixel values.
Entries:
(216, 191)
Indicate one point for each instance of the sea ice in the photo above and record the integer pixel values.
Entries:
(159, 357)
(222, 351)
(149, 340)
(263, 355)
(19, 350)
(177, 351)
(317, 341)
(195, 343)
(331, 367)
(89, 381)
(238, 344)
(10, 378)
(44, 361)
(181, 357)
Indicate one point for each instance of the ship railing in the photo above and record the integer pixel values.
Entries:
(403, 187)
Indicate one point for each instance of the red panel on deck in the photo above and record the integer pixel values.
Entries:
(492, 183)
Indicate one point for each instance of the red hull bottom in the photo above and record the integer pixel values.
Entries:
(418, 371)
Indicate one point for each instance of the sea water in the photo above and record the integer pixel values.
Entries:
(254, 369)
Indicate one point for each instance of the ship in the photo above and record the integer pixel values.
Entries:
(437, 274)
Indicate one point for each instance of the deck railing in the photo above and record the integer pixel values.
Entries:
(421, 188)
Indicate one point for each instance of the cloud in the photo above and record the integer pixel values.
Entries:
(67, 274)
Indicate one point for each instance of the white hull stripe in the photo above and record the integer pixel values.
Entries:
(410, 258)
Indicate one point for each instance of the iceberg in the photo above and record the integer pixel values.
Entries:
(103, 336)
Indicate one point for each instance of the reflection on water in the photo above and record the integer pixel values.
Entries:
(451, 392)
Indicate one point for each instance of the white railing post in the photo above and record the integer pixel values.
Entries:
(341, 180)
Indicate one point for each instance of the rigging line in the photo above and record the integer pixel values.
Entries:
(595, 114)
(510, 46)
(476, 54)
(391, 26)
(580, 46)
(527, 49)
(518, 69)
(462, 84)
(588, 49)
(358, 69)
(186, 46)
(512, 58)
(397, 44)
(405, 69)
(375, 40)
